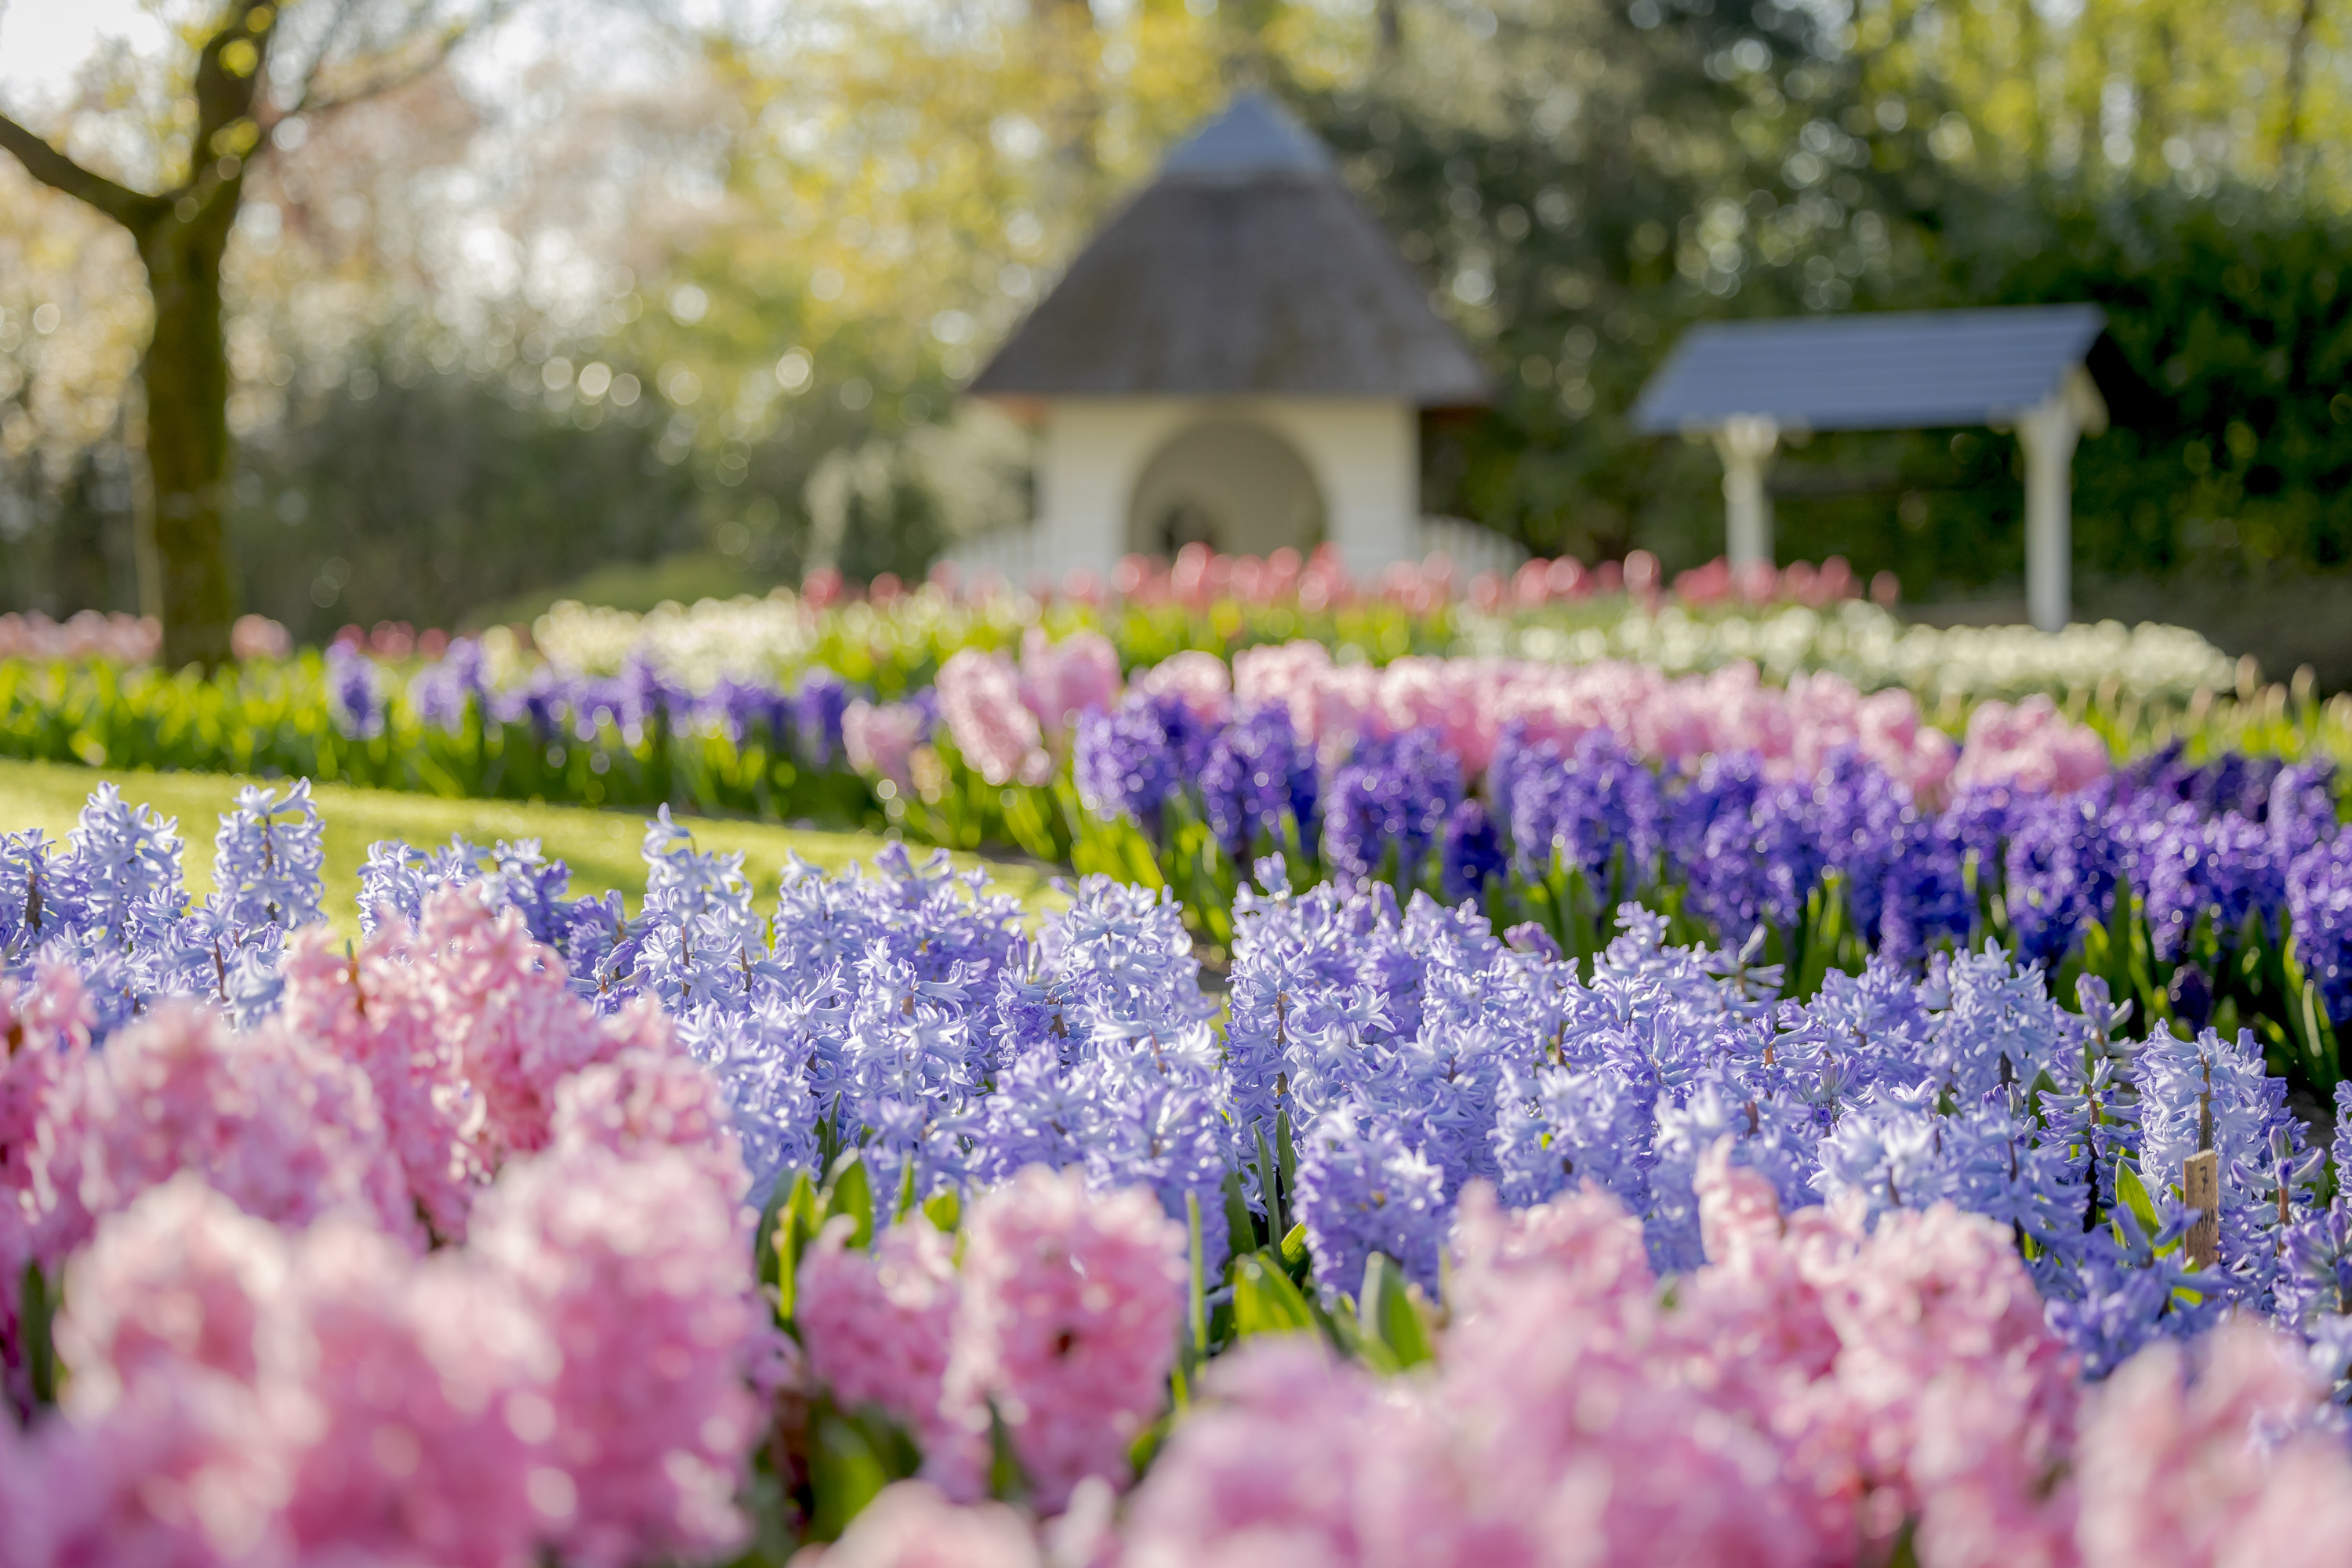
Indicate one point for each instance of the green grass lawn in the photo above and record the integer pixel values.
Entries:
(600, 846)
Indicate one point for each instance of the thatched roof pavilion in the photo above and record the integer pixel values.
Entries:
(1240, 356)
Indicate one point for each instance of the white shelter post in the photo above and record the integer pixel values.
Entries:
(2047, 432)
(1746, 442)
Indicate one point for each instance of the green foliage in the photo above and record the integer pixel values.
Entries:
(849, 1190)
(1578, 244)
(1265, 1302)
(435, 494)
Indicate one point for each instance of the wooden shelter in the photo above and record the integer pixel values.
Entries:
(1747, 383)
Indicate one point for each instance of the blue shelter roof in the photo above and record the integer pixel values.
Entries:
(1891, 371)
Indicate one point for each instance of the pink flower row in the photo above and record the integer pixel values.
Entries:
(119, 638)
(1665, 718)
(1010, 721)
(1198, 577)
(1813, 1395)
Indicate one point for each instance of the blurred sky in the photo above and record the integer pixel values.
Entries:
(43, 42)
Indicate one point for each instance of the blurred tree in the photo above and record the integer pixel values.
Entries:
(237, 97)
(1581, 183)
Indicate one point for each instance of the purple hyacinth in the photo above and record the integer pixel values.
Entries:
(1393, 794)
(268, 858)
(1923, 897)
(2225, 864)
(1257, 769)
(354, 693)
(1362, 1189)
(2319, 902)
(123, 856)
(444, 691)
(2060, 873)
(750, 712)
(545, 702)
(1585, 806)
(817, 704)
(2302, 809)
(1127, 762)
(1743, 846)
(1471, 853)
(1866, 828)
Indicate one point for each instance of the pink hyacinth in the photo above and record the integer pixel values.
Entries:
(1908, 1372)
(1195, 678)
(1584, 1239)
(323, 1392)
(1272, 1466)
(466, 1028)
(1750, 1331)
(1284, 673)
(1071, 1303)
(881, 738)
(282, 1129)
(1566, 1421)
(503, 1002)
(979, 699)
(910, 1525)
(44, 1056)
(370, 1009)
(641, 1270)
(187, 1470)
(878, 1323)
(168, 1449)
(650, 1098)
(1967, 1400)
(426, 1415)
(1060, 681)
(181, 1278)
(2212, 1460)
(2030, 746)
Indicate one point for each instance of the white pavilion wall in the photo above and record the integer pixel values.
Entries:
(1364, 454)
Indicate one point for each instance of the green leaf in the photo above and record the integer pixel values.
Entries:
(1286, 1152)
(944, 1210)
(844, 1474)
(851, 1192)
(1385, 1311)
(1196, 1313)
(1241, 1229)
(2134, 1194)
(891, 1444)
(1293, 1251)
(1265, 1302)
(1146, 1444)
(1270, 1180)
(787, 1226)
(39, 1307)
(1008, 1478)
(1349, 1335)
(906, 1191)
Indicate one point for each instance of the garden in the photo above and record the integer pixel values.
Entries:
(1421, 783)
(1556, 1068)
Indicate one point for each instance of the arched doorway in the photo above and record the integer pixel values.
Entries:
(1232, 485)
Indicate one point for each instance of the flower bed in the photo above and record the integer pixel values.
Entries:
(1428, 1245)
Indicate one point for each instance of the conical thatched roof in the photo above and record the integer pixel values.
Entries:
(1245, 266)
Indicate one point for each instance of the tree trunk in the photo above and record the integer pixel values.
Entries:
(185, 374)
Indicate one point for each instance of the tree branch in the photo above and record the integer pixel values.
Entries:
(132, 209)
(391, 76)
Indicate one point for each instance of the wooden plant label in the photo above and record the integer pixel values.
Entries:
(2200, 1185)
